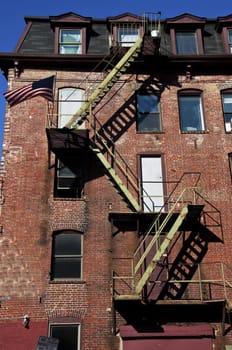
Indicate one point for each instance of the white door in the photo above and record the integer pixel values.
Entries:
(152, 183)
(70, 101)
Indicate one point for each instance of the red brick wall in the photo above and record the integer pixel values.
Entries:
(30, 214)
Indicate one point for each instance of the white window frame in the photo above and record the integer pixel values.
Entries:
(226, 114)
(185, 118)
(69, 47)
(70, 100)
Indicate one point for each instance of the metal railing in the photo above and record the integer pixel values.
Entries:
(212, 281)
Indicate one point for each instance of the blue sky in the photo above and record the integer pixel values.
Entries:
(13, 12)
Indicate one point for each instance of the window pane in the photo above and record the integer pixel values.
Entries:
(68, 183)
(70, 49)
(186, 43)
(230, 35)
(68, 244)
(227, 103)
(148, 122)
(227, 108)
(148, 103)
(67, 268)
(70, 36)
(67, 335)
(191, 113)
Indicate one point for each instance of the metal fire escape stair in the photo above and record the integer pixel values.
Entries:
(105, 85)
(157, 228)
(98, 142)
(185, 266)
(160, 251)
(121, 188)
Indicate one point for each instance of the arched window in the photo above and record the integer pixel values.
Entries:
(70, 100)
(67, 254)
(191, 110)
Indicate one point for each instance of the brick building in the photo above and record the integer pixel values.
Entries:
(116, 196)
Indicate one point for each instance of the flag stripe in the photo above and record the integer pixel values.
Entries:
(42, 88)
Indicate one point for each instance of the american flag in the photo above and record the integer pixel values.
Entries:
(43, 87)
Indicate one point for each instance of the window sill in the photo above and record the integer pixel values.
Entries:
(194, 132)
(150, 132)
(68, 199)
(67, 281)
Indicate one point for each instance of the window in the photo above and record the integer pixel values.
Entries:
(152, 183)
(230, 163)
(67, 334)
(148, 118)
(186, 34)
(127, 36)
(230, 40)
(69, 102)
(186, 43)
(67, 255)
(224, 26)
(70, 41)
(69, 182)
(191, 113)
(227, 110)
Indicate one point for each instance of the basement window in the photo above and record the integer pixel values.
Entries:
(67, 334)
(148, 113)
(191, 111)
(67, 255)
(227, 110)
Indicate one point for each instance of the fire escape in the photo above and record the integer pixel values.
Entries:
(157, 269)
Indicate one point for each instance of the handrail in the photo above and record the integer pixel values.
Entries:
(158, 229)
(219, 286)
(112, 74)
(125, 169)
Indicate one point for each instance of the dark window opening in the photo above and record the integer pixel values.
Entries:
(67, 334)
(67, 255)
(69, 181)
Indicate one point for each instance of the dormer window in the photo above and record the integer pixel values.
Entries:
(224, 27)
(125, 30)
(70, 33)
(70, 41)
(186, 34)
(127, 36)
(230, 40)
